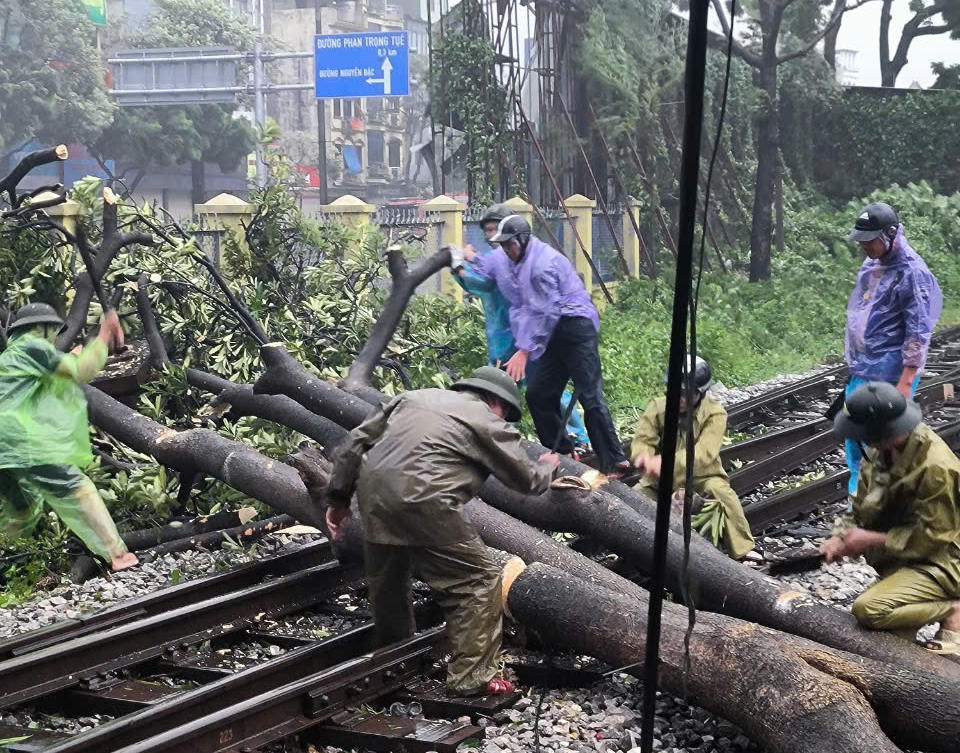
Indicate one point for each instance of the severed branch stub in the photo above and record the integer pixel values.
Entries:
(404, 283)
(35, 159)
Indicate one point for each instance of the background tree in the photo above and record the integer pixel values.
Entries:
(52, 84)
(194, 134)
(923, 23)
(779, 31)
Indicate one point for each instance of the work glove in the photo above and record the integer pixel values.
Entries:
(456, 257)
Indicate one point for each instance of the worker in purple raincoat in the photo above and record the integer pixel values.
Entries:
(555, 326)
(891, 312)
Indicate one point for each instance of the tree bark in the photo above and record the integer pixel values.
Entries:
(628, 530)
(35, 159)
(718, 583)
(243, 534)
(205, 451)
(240, 399)
(284, 375)
(404, 284)
(198, 182)
(111, 244)
(830, 41)
(787, 694)
(783, 691)
(139, 540)
(768, 145)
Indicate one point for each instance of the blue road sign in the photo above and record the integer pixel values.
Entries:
(373, 64)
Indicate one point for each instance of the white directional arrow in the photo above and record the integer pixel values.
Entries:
(386, 67)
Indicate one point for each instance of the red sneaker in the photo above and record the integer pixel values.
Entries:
(499, 687)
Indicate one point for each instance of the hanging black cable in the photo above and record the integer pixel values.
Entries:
(689, 173)
(694, 304)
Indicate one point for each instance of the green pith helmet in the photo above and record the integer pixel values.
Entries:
(874, 411)
(495, 213)
(492, 380)
(33, 314)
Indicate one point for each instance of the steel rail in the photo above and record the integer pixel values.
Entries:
(167, 599)
(213, 698)
(82, 659)
(269, 712)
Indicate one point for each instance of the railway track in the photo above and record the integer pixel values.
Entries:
(109, 664)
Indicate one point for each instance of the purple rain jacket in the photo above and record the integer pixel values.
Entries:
(891, 314)
(541, 287)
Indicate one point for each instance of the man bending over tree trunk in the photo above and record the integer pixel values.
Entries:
(415, 463)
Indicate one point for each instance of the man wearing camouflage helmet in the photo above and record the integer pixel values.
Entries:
(891, 312)
(905, 518)
(44, 436)
(414, 464)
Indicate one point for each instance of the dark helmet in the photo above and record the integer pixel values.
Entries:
(495, 213)
(876, 410)
(511, 227)
(701, 374)
(492, 380)
(873, 220)
(35, 313)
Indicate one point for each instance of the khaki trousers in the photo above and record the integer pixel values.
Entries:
(737, 538)
(466, 582)
(907, 598)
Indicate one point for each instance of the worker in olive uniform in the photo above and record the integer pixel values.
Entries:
(905, 518)
(414, 464)
(709, 478)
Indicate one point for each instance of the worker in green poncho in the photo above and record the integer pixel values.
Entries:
(44, 437)
(905, 518)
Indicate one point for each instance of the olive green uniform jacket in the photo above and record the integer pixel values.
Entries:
(709, 478)
(420, 458)
(915, 502)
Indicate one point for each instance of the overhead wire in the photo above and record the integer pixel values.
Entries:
(694, 304)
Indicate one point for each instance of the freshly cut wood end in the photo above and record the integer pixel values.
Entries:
(109, 196)
(511, 572)
(571, 482)
(62, 151)
(246, 514)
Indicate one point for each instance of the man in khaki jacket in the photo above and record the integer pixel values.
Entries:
(414, 464)
(709, 478)
(905, 518)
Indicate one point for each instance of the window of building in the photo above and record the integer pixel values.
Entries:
(394, 152)
(336, 108)
(375, 145)
(352, 158)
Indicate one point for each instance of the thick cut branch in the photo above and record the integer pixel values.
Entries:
(113, 242)
(720, 583)
(285, 375)
(151, 332)
(35, 159)
(787, 695)
(405, 282)
(205, 451)
(240, 399)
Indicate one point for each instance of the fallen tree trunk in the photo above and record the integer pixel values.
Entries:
(284, 375)
(717, 582)
(788, 695)
(205, 451)
(621, 519)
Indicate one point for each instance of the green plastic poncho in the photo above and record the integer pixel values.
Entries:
(43, 412)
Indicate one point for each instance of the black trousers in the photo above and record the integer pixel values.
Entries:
(572, 354)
